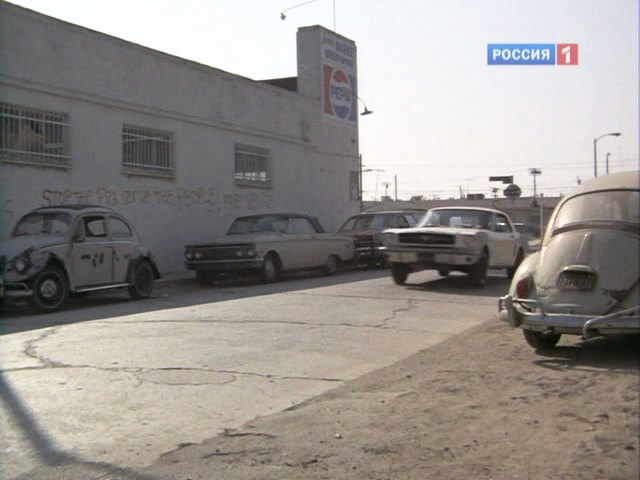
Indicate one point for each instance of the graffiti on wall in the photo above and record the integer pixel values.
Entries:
(172, 197)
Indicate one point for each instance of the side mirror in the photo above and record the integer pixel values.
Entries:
(77, 238)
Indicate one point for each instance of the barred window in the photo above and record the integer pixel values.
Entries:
(252, 166)
(33, 136)
(147, 152)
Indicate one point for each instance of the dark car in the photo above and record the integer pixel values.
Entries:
(54, 252)
(365, 230)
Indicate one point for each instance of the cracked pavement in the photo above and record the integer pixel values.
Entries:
(111, 383)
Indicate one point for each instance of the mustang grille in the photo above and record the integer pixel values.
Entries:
(427, 238)
(576, 281)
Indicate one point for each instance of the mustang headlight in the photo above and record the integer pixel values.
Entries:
(468, 241)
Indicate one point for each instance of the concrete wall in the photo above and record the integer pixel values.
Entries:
(103, 82)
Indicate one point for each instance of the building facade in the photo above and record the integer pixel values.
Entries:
(179, 148)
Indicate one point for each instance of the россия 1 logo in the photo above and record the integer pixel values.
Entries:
(532, 54)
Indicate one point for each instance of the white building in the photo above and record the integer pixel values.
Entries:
(179, 148)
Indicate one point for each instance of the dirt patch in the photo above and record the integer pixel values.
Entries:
(481, 405)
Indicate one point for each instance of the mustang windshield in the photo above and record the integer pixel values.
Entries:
(456, 218)
(609, 206)
(43, 224)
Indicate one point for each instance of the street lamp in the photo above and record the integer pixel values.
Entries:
(595, 150)
(283, 16)
(607, 164)
(534, 173)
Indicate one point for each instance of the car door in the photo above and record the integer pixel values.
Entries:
(124, 244)
(306, 250)
(503, 241)
(91, 252)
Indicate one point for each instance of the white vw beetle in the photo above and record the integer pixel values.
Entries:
(585, 278)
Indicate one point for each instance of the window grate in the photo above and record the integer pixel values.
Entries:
(33, 136)
(147, 152)
(252, 166)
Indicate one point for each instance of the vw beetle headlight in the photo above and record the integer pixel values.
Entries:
(21, 264)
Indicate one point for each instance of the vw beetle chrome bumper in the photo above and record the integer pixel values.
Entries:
(528, 315)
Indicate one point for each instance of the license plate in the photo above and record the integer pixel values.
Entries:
(576, 281)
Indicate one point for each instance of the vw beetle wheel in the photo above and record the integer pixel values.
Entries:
(541, 340)
(142, 282)
(50, 290)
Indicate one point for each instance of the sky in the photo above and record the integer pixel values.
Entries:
(444, 120)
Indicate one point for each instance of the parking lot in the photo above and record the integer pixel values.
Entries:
(118, 383)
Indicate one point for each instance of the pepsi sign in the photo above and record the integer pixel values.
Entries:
(339, 93)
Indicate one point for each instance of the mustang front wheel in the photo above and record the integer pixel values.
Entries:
(478, 271)
(399, 273)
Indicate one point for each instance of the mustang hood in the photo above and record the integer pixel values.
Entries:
(16, 245)
(588, 272)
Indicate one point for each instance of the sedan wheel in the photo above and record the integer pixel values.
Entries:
(331, 266)
(142, 284)
(270, 269)
(541, 340)
(50, 289)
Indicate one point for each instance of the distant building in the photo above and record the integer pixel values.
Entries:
(521, 210)
(178, 147)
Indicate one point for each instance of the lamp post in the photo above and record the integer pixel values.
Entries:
(595, 149)
(534, 173)
(607, 164)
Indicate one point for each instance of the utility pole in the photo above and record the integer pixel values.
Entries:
(395, 181)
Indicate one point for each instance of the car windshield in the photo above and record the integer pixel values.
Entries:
(366, 222)
(456, 218)
(611, 206)
(43, 224)
(270, 223)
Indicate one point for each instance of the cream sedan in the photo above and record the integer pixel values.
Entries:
(269, 245)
